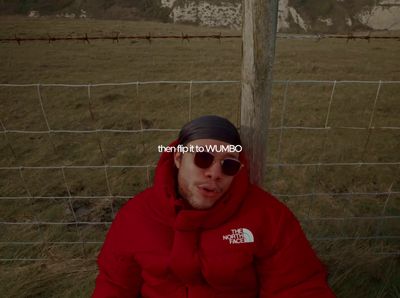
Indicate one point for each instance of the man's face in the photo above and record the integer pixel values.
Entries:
(202, 188)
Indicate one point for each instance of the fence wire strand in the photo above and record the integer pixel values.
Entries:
(86, 38)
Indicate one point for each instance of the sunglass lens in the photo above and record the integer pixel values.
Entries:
(203, 159)
(230, 166)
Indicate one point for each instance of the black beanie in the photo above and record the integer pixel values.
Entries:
(209, 127)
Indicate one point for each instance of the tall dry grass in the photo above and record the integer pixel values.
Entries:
(356, 264)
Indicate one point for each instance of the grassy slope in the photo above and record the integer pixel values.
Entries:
(355, 270)
(109, 9)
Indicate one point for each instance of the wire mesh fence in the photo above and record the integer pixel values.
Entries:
(71, 155)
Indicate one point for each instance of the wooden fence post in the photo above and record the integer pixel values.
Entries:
(258, 51)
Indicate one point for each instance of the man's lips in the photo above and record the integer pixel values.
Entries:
(209, 190)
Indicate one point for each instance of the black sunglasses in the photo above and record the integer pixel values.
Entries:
(229, 166)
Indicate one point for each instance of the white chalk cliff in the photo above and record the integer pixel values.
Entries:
(385, 15)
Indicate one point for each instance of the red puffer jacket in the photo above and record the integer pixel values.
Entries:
(247, 245)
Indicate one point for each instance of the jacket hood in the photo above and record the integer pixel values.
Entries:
(165, 201)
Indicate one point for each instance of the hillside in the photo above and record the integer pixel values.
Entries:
(103, 9)
(331, 154)
(294, 15)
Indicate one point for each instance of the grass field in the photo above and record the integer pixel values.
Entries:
(349, 212)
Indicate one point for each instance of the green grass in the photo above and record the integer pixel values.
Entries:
(356, 266)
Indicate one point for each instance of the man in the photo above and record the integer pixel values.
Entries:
(204, 231)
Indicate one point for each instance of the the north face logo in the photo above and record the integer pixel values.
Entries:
(237, 236)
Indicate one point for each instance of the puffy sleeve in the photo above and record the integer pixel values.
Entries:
(119, 274)
(291, 268)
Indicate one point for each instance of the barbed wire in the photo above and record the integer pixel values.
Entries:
(115, 38)
(347, 37)
(187, 37)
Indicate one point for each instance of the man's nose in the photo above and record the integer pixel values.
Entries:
(214, 171)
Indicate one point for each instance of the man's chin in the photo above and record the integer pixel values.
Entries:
(201, 203)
